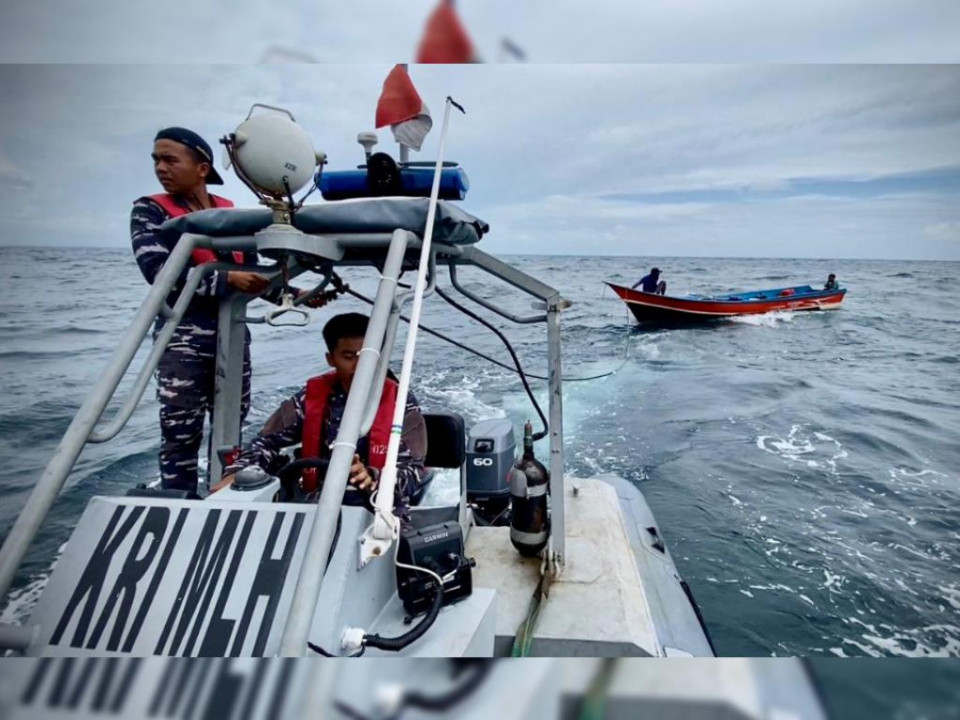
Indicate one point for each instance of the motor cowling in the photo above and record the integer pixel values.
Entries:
(491, 454)
(529, 497)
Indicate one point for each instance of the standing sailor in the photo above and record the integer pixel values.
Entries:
(183, 163)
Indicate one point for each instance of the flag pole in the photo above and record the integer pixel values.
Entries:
(404, 149)
(377, 538)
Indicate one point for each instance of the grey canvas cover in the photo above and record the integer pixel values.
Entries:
(366, 215)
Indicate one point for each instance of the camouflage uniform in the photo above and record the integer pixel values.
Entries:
(187, 368)
(285, 428)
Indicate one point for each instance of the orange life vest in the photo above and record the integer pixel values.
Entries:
(173, 209)
(315, 407)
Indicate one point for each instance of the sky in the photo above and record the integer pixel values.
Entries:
(550, 31)
(832, 161)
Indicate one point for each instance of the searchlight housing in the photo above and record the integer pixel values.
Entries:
(274, 157)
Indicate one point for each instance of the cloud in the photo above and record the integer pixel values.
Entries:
(550, 31)
(804, 226)
(945, 231)
(569, 158)
(13, 179)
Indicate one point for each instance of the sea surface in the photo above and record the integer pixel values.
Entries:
(804, 467)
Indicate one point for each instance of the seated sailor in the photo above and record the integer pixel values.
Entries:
(831, 283)
(313, 415)
(651, 283)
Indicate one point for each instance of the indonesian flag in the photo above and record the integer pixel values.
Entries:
(445, 39)
(401, 108)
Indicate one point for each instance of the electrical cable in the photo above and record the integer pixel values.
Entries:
(441, 703)
(350, 712)
(310, 192)
(518, 368)
(523, 378)
(493, 360)
(320, 651)
(431, 703)
(292, 206)
(398, 643)
(492, 522)
(396, 545)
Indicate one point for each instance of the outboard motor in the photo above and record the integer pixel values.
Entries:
(529, 488)
(491, 451)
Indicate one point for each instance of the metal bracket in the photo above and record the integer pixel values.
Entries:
(560, 304)
(372, 547)
(287, 306)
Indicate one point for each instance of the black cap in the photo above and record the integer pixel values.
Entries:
(195, 143)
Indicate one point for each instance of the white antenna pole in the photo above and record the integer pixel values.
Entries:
(377, 538)
(404, 150)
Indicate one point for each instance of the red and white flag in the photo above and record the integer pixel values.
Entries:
(445, 39)
(401, 108)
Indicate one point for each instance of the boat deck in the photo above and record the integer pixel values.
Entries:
(598, 605)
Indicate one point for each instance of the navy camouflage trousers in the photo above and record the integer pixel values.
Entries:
(185, 387)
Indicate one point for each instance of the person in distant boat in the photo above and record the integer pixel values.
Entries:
(652, 283)
(312, 417)
(183, 163)
(831, 283)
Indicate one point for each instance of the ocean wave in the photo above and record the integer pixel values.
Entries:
(31, 356)
(458, 394)
(884, 640)
(769, 320)
(22, 600)
(812, 449)
(807, 463)
(35, 423)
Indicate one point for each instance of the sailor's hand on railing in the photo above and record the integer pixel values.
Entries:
(247, 282)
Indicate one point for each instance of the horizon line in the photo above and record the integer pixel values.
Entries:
(538, 254)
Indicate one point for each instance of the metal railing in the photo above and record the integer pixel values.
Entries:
(303, 606)
(83, 428)
(362, 400)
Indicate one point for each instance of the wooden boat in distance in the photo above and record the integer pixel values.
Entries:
(696, 308)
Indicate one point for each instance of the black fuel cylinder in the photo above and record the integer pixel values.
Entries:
(529, 487)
